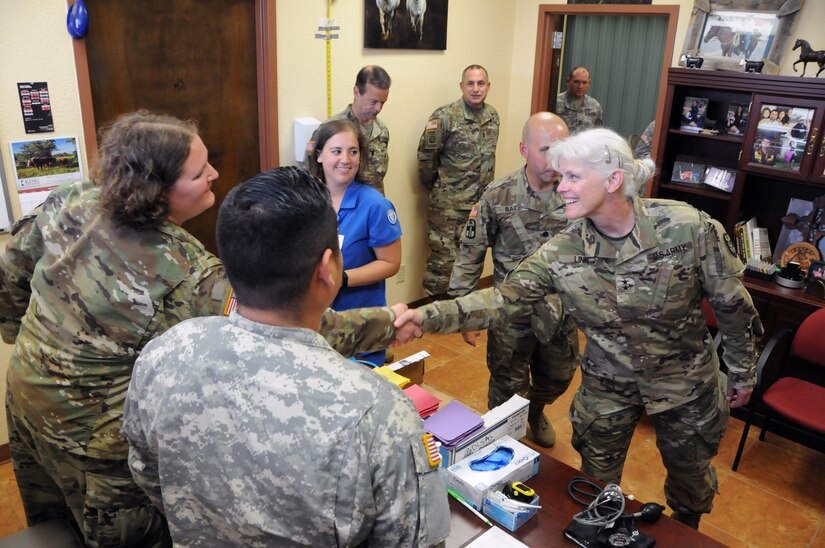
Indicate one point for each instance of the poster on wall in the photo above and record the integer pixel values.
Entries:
(36, 106)
(42, 165)
(5, 205)
(412, 24)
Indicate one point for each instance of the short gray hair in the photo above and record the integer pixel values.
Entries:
(604, 151)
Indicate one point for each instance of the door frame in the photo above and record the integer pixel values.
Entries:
(265, 42)
(551, 19)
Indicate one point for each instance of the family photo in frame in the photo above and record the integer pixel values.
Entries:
(781, 135)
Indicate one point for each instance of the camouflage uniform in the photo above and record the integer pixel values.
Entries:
(645, 142)
(374, 169)
(456, 162)
(512, 220)
(267, 437)
(587, 115)
(648, 346)
(79, 298)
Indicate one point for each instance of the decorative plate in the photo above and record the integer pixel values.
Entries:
(802, 253)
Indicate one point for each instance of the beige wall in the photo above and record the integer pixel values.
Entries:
(421, 82)
(34, 46)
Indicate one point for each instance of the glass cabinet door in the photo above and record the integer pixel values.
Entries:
(782, 137)
(818, 175)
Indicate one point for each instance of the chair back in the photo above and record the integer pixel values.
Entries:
(809, 341)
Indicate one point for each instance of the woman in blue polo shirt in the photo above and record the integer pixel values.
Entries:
(368, 230)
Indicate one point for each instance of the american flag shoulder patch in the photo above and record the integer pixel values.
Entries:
(433, 455)
(432, 124)
(231, 303)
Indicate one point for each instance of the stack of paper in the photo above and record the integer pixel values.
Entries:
(453, 422)
(425, 403)
(392, 376)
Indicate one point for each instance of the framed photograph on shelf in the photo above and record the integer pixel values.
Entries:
(694, 112)
(688, 172)
(816, 271)
(779, 136)
(720, 178)
(737, 119)
(725, 32)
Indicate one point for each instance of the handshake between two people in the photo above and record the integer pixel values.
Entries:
(409, 325)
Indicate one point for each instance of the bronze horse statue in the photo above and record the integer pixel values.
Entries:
(732, 42)
(808, 55)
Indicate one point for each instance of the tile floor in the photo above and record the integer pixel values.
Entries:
(775, 499)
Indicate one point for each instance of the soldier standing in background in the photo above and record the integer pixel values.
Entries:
(515, 216)
(579, 110)
(251, 430)
(632, 273)
(370, 94)
(645, 143)
(456, 162)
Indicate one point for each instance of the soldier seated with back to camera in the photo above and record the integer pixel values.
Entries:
(251, 430)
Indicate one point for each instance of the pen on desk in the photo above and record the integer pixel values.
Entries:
(469, 506)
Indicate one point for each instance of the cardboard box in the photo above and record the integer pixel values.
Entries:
(511, 519)
(473, 484)
(508, 419)
(411, 367)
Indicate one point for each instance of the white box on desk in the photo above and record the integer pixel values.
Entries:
(508, 419)
(509, 518)
(472, 484)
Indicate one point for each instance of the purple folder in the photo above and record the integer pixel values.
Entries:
(452, 422)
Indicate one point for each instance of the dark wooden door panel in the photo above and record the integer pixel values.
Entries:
(189, 58)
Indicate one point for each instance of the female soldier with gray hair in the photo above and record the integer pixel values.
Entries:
(632, 273)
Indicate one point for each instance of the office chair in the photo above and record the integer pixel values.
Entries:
(790, 385)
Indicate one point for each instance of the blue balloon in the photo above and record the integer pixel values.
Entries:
(77, 20)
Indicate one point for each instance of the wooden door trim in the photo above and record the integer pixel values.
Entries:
(549, 20)
(265, 41)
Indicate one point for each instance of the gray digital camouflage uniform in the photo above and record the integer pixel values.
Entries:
(79, 298)
(582, 116)
(249, 434)
(456, 162)
(374, 169)
(648, 347)
(512, 220)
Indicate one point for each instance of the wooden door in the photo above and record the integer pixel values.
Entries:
(190, 58)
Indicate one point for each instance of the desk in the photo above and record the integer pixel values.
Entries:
(546, 528)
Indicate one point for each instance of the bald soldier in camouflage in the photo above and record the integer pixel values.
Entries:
(632, 273)
(456, 162)
(516, 214)
(370, 94)
(579, 110)
(251, 430)
(86, 281)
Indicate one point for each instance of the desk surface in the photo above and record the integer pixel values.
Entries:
(546, 527)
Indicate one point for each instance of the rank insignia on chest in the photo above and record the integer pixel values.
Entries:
(626, 285)
(470, 231)
(430, 446)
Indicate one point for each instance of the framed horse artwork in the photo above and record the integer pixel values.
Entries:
(727, 32)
